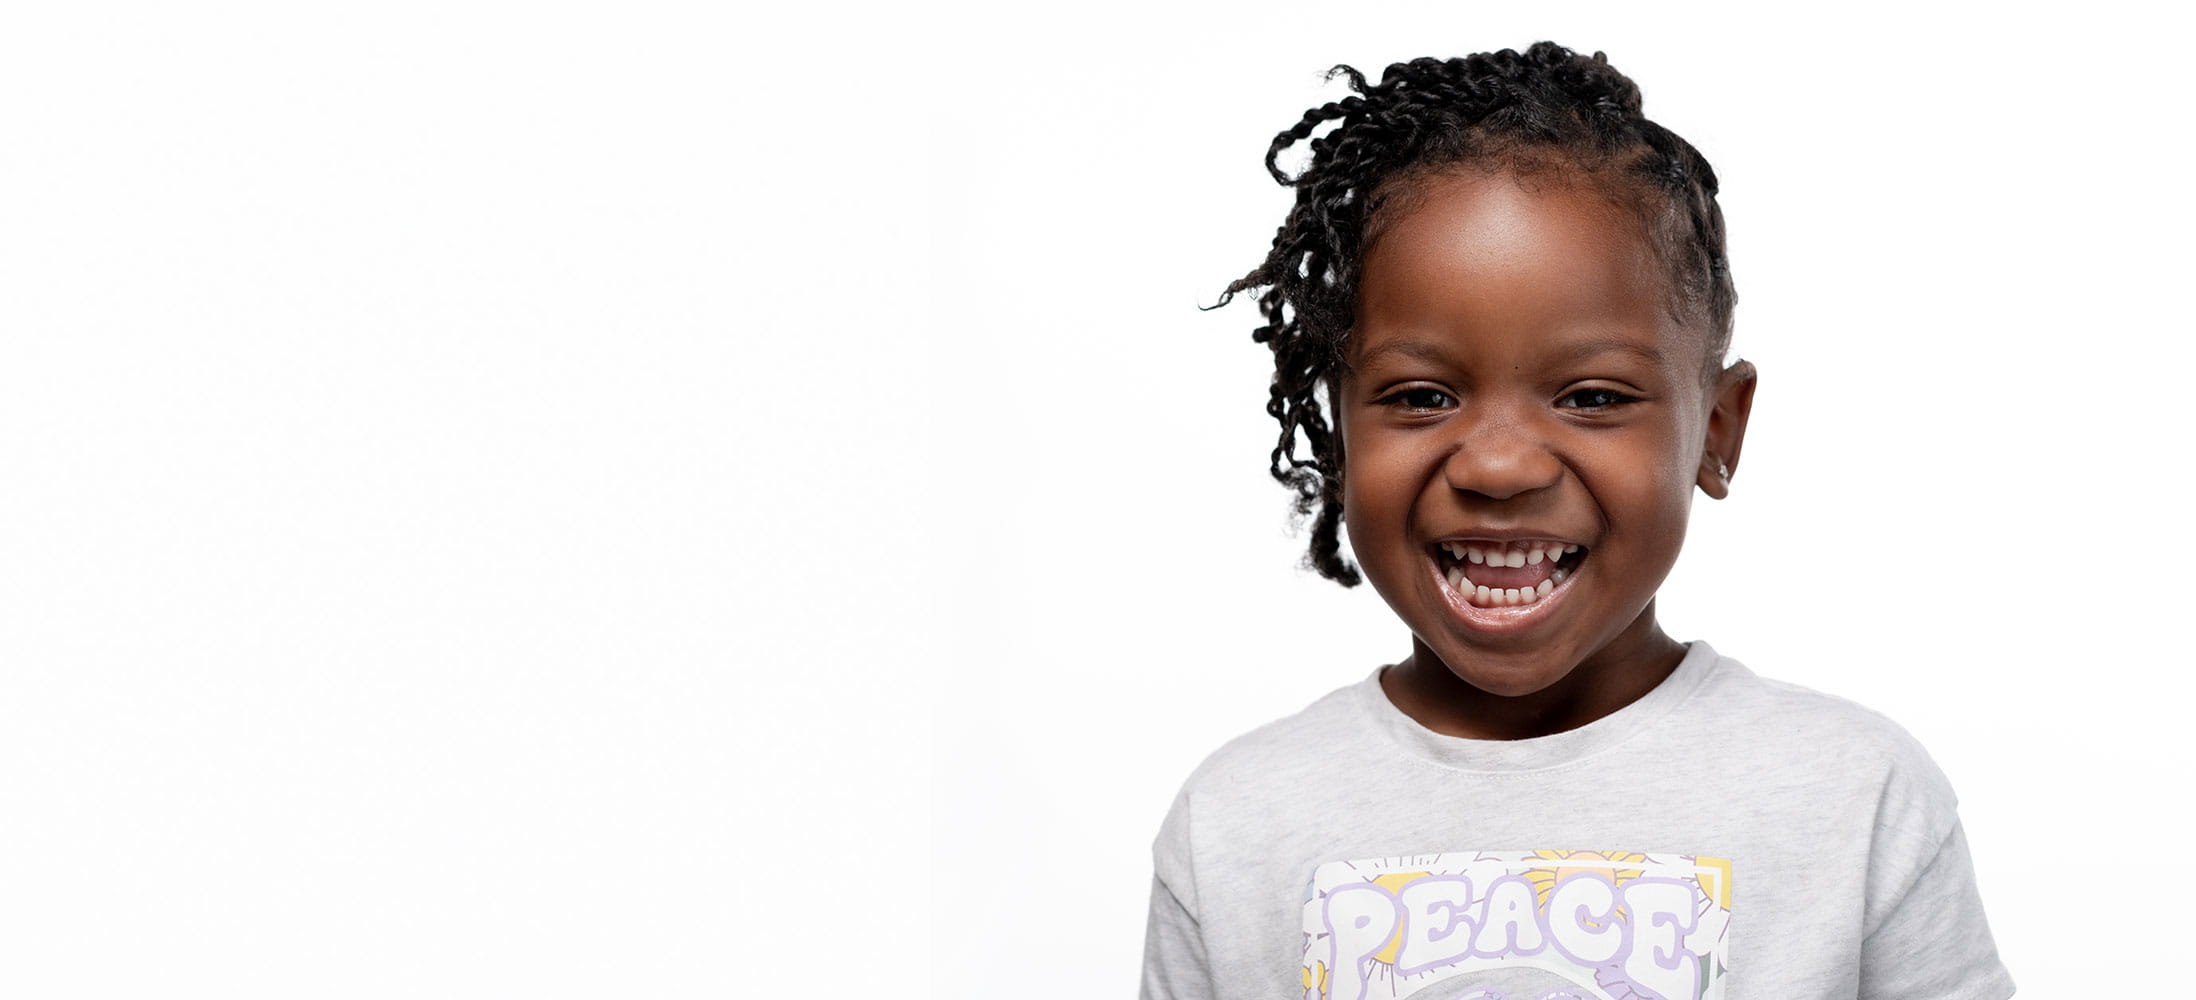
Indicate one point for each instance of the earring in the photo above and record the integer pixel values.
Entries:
(1723, 471)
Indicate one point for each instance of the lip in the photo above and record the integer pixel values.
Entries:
(1506, 537)
(1502, 620)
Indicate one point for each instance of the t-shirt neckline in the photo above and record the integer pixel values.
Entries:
(1539, 752)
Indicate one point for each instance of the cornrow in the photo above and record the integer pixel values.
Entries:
(1520, 111)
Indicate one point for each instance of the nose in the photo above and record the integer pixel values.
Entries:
(1500, 457)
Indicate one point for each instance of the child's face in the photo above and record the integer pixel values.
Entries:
(1517, 387)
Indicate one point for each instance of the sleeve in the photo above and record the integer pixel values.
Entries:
(1924, 936)
(1174, 948)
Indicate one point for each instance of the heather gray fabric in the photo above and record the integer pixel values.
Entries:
(1725, 837)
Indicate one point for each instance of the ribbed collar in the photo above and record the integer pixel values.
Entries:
(1540, 752)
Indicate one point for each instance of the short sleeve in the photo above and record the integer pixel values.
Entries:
(1174, 954)
(1925, 937)
(1174, 950)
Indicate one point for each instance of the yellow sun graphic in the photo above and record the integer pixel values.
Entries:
(1544, 879)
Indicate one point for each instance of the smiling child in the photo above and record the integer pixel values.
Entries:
(1499, 313)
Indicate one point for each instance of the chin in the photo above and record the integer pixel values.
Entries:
(1507, 676)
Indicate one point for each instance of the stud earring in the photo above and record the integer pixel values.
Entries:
(1723, 471)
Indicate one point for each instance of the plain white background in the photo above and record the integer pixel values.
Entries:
(464, 477)
(674, 501)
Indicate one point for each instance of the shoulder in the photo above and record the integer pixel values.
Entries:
(1828, 740)
(1826, 722)
(1240, 781)
(1280, 754)
(1301, 740)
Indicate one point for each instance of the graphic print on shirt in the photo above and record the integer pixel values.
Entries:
(1518, 925)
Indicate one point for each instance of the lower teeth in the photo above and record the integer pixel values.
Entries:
(1488, 597)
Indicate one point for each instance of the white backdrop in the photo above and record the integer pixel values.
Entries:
(668, 500)
(1956, 236)
(462, 473)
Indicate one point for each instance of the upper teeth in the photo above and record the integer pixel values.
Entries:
(1523, 554)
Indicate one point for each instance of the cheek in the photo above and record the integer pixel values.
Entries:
(1662, 498)
(1378, 475)
(1365, 502)
(1380, 485)
(1359, 466)
(1645, 486)
(1671, 483)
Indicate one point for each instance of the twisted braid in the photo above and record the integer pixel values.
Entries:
(1545, 107)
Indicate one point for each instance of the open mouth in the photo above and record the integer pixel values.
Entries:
(1489, 574)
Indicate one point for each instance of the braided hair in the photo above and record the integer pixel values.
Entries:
(1548, 107)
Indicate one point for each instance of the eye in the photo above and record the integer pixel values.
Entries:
(1594, 398)
(1420, 397)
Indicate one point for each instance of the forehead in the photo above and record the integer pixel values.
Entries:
(1503, 260)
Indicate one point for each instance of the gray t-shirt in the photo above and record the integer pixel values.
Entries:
(1724, 837)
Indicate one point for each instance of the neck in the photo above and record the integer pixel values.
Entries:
(1614, 676)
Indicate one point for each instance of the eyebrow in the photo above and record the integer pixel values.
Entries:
(1591, 347)
(1418, 349)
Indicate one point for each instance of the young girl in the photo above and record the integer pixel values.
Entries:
(1499, 312)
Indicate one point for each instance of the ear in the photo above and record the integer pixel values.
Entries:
(1734, 401)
